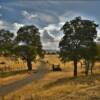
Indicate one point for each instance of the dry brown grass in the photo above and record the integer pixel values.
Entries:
(57, 86)
(61, 85)
(14, 66)
(11, 79)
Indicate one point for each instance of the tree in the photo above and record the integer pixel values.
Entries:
(6, 42)
(78, 36)
(28, 44)
(90, 56)
(98, 52)
(98, 48)
(94, 55)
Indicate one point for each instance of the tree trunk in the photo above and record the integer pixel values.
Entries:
(29, 65)
(75, 68)
(87, 68)
(91, 70)
(92, 65)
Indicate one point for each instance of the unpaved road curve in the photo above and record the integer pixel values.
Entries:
(42, 70)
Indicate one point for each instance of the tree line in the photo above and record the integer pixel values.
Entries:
(77, 43)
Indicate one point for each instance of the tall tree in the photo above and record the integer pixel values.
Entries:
(6, 42)
(28, 44)
(79, 34)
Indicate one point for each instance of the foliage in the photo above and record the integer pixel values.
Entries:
(6, 42)
(78, 40)
(28, 44)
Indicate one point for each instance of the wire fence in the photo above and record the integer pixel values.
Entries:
(10, 65)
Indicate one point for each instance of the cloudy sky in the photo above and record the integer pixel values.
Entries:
(47, 15)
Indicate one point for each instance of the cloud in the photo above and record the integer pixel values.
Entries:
(49, 21)
(0, 6)
(51, 46)
(54, 30)
(48, 41)
(7, 8)
(98, 32)
(41, 19)
(50, 30)
(16, 26)
(3, 24)
(46, 37)
(28, 15)
(48, 18)
(51, 35)
(13, 27)
(69, 15)
(0, 15)
(51, 27)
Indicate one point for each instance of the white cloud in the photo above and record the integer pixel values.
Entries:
(51, 35)
(51, 45)
(54, 30)
(28, 15)
(51, 27)
(98, 35)
(9, 26)
(16, 26)
(98, 32)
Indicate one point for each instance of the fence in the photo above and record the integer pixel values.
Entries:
(7, 66)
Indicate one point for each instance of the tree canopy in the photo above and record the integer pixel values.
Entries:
(6, 42)
(28, 44)
(79, 35)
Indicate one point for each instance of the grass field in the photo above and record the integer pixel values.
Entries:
(14, 65)
(61, 85)
(14, 70)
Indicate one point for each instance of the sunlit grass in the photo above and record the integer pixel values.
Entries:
(61, 85)
(57, 86)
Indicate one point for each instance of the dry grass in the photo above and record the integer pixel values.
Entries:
(54, 59)
(17, 70)
(15, 65)
(57, 86)
(11, 79)
(61, 85)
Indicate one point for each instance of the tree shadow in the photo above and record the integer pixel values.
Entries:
(89, 80)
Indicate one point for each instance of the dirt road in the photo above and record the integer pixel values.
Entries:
(42, 70)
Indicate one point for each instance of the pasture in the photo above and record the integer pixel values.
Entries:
(55, 85)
